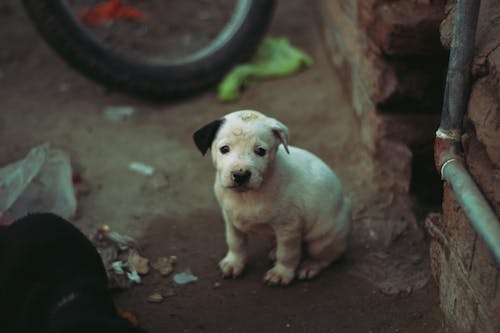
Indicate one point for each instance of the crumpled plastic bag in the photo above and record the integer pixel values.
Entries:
(41, 182)
(275, 57)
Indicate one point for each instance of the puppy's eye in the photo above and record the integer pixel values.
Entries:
(260, 151)
(224, 149)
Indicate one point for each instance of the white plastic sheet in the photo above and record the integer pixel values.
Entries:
(41, 182)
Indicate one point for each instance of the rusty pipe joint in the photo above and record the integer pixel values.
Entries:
(447, 148)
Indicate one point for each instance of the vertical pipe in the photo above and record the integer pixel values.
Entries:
(457, 88)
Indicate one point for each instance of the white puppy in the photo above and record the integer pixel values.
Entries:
(274, 189)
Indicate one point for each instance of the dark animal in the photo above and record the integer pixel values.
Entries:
(52, 280)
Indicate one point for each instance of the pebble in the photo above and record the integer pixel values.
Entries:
(155, 298)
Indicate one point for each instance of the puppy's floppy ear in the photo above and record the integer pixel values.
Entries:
(204, 137)
(281, 131)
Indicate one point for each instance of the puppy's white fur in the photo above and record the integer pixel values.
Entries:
(290, 194)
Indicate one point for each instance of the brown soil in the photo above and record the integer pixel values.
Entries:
(42, 100)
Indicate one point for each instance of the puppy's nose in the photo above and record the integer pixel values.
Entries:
(241, 177)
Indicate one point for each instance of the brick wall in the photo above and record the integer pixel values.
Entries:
(469, 281)
(393, 65)
(390, 56)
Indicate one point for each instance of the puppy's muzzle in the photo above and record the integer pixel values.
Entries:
(241, 177)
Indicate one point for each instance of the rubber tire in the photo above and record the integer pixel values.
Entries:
(116, 72)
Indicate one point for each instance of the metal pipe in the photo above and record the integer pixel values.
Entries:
(448, 146)
(456, 93)
(475, 207)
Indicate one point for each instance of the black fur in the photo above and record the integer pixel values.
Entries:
(52, 280)
(204, 137)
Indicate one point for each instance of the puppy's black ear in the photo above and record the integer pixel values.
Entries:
(204, 137)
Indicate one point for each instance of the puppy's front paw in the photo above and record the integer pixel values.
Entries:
(279, 275)
(232, 265)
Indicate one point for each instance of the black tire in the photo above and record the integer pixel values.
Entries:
(118, 72)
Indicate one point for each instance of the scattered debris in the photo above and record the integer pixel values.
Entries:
(185, 278)
(164, 265)
(118, 113)
(117, 267)
(111, 10)
(121, 258)
(159, 296)
(141, 168)
(217, 285)
(155, 298)
(139, 263)
(42, 181)
(134, 276)
(123, 242)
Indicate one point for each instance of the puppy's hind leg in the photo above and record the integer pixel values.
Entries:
(330, 245)
(322, 252)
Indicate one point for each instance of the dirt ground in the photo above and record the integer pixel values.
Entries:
(174, 212)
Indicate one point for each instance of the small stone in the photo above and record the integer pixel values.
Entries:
(185, 278)
(155, 298)
(143, 169)
(105, 228)
(118, 113)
